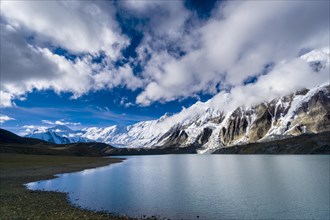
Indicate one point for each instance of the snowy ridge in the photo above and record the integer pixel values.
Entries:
(294, 105)
(59, 134)
(158, 133)
(217, 123)
(322, 55)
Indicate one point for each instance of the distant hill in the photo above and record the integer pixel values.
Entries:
(12, 143)
(7, 137)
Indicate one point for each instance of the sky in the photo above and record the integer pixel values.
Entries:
(101, 63)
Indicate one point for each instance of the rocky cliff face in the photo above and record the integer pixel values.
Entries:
(306, 111)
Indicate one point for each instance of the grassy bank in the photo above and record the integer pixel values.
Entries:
(16, 202)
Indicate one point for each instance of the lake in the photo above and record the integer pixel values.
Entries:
(208, 186)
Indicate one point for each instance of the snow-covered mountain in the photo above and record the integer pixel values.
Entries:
(306, 111)
(60, 134)
(142, 134)
(207, 126)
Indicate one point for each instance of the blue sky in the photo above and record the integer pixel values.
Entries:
(100, 63)
(104, 107)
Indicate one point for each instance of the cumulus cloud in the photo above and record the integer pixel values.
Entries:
(80, 26)
(237, 43)
(163, 19)
(5, 99)
(125, 102)
(179, 55)
(284, 79)
(29, 31)
(27, 129)
(60, 122)
(25, 67)
(4, 118)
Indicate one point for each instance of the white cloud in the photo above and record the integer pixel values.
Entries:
(28, 129)
(236, 43)
(79, 26)
(30, 126)
(29, 65)
(162, 18)
(180, 56)
(5, 99)
(24, 67)
(60, 122)
(285, 78)
(110, 78)
(4, 118)
(124, 102)
(139, 6)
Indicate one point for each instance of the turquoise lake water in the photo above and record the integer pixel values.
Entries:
(207, 186)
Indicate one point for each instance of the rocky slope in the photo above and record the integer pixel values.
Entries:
(307, 111)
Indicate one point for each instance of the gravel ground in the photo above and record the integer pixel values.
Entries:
(17, 202)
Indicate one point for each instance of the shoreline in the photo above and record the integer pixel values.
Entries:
(18, 202)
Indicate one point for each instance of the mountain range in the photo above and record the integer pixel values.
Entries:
(207, 127)
(306, 111)
(13, 144)
(60, 134)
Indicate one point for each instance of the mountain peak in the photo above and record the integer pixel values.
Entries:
(163, 117)
(60, 128)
